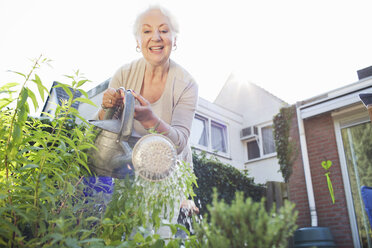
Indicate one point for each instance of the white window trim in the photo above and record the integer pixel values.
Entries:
(260, 145)
(209, 138)
(339, 123)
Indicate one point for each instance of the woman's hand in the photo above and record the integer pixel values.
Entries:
(143, 112)
(112, 98)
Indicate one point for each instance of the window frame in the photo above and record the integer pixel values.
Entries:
(342, 120)
(208, 148)
(259, 139)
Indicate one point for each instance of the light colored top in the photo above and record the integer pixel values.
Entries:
(176, 106)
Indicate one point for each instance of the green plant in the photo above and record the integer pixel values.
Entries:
(41, 198)
(246, 223)
(285, 148)
(44, 201)
(212, 173)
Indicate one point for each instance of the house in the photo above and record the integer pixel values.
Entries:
(55, 97)
(236, 128)
(334, 128)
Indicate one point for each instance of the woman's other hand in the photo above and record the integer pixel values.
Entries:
(143, 112)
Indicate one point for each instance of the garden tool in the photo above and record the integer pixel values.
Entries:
(120, 152)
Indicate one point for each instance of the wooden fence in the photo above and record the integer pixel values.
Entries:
(276, 193)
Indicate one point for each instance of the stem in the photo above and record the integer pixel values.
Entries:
(37, 185)
(9, 140)
(15, 114)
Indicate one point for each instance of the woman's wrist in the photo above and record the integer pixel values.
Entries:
(152, 125)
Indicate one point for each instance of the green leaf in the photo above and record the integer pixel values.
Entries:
(16, 133)
(16, 72)
(83, 93)
(40, 86)
(29, 166)
(138, 238)
(65, 88)
(158, 244)
(33, 98)
(8, 86)
(93, 240)
(81, 82)
(85, 100)
(5, 102)
(23, 97)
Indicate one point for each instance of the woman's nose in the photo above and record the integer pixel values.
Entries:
(156, 36)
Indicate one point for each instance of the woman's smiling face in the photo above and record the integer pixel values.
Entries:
(156, 37)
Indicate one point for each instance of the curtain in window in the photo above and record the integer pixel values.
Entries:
(199, 132)
(218, 137)
(268, 140)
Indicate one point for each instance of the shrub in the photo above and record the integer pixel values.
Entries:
(246, 223)
(212, 173)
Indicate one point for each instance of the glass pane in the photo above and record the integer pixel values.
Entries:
(357, 142)
(268, 140)
(218, 133)
(253, 150)
(199, 132)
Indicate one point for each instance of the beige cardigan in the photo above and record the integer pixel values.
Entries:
(176, 106)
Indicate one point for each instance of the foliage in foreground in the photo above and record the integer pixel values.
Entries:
(46, 202)
(44, 199)
(226, 179)
(245, 223)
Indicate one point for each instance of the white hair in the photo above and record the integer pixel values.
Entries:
(172, 20)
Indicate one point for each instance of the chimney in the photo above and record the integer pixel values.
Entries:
(363, 73)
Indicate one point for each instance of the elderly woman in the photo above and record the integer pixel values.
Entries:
(166, 93)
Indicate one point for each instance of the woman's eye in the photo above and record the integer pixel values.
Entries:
(164, 31)
(146, 31)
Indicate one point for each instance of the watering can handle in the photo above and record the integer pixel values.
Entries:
(127, 117)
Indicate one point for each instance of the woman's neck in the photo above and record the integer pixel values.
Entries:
(157, 73)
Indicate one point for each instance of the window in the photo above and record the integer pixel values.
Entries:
(218, 137)
(261, 145)
(199, 131)
(253, 149)
(268, 140)
(356, 141)
(209, 134)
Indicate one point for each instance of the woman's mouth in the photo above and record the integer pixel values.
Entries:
(156, 48)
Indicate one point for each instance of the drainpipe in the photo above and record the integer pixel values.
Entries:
(306, 164)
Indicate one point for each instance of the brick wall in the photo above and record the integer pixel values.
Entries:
(296, 186)
(321, 145)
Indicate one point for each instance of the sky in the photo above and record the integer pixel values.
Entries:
(294, 49)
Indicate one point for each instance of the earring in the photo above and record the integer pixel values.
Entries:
(138, 49)
(174, 47)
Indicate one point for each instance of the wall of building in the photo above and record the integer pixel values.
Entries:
(296, 185)
(265, 170)
(321, 145)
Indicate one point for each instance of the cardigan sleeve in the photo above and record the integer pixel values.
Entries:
(183, 115)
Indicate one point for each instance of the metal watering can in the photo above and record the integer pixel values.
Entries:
(121, 152)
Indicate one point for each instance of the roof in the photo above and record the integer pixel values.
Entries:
(335, 99)
(61, 95)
